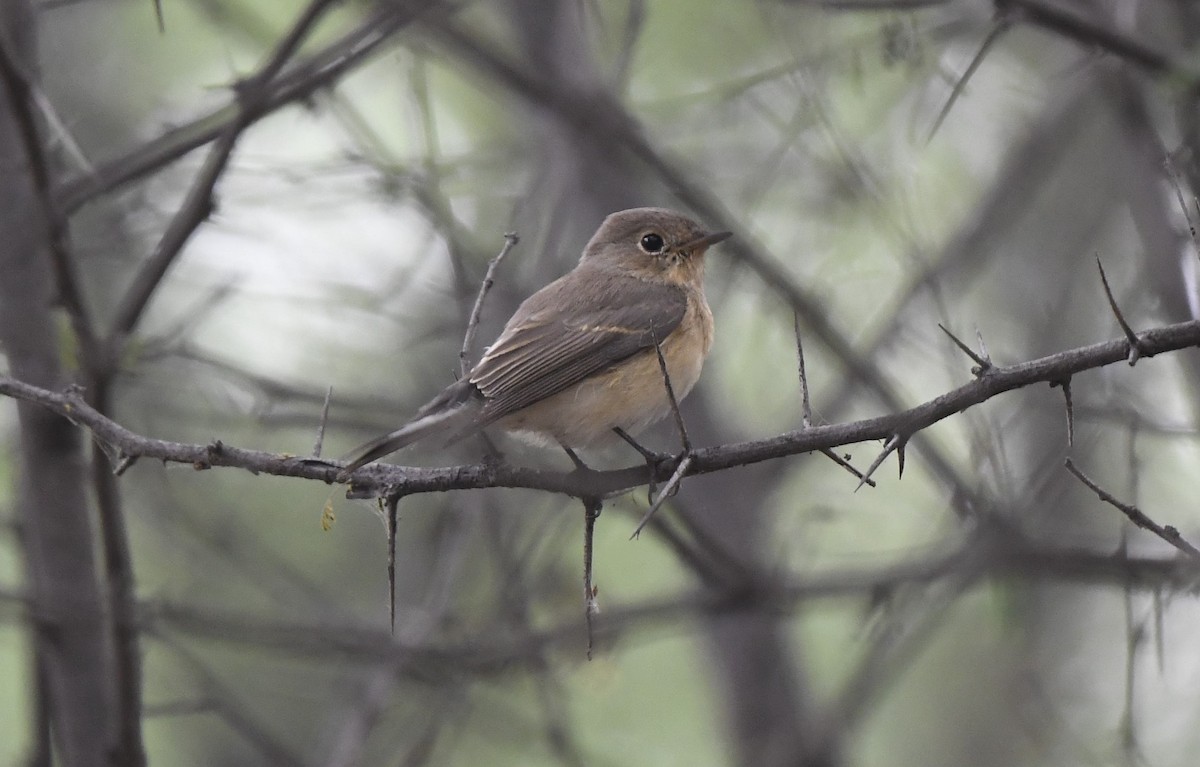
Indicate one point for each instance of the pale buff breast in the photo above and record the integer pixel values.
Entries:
(631, 396)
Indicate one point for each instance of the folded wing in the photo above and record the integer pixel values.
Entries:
(548, 346)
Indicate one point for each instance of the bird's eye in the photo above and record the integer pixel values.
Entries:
(652, 243)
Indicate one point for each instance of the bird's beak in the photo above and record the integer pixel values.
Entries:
(703, 242)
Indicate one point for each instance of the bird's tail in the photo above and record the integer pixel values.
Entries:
(454, 414)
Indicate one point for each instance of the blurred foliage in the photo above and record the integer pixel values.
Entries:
(349, 238)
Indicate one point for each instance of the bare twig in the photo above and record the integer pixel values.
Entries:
(1177, 185)
(1135, 352)
(1002, 25)
(1135, 515)
(806, 405)
(591, 606)
(324, 420)
(1087, 32)
(845, 464)
(666, 376)
(685, 464)
(895, 443)
(391, 510)
(510, 241)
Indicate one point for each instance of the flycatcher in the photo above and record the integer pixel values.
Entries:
(577, 359)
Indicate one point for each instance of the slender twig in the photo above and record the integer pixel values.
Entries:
(1177, 185)
(832, 455)
(1002, 25)
(1135, 352)
(685, 464)
(464, 364)
(591, 606)
(1135, 515)
(666, 376)
(650, 456)
(1089, 33)
(321, 425)
(894, 443)
(806, 405)
(391, 510)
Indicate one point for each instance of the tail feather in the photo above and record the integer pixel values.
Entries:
(453, 413)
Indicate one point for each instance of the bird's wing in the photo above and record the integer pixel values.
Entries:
(571, 329)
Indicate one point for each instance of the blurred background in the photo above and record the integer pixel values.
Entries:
(985, 609)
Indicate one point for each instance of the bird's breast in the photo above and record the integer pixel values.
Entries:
(631, 394)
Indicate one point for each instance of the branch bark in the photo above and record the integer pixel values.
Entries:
(382, 480)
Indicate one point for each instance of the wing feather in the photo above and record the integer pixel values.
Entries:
(572, 329)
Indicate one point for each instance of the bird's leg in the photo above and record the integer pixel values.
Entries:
(652, 459)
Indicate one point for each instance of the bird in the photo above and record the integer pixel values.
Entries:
(577, 360)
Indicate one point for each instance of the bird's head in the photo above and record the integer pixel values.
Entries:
(652, 243)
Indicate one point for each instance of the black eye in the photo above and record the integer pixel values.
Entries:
(652, 243)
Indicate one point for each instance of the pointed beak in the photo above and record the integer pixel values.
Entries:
(703, 242)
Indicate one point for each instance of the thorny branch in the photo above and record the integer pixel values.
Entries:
(583, 483)
(510, 241)
(806, 406)
(1136, 515)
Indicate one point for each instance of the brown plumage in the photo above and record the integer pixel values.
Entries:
(577, 358)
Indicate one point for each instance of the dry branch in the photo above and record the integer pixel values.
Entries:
(585, 483)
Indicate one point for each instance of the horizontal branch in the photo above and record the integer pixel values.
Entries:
(386, 479)
(495, 653)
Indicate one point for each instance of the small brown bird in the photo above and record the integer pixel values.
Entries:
(577, 359)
